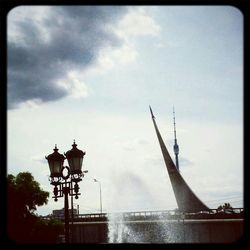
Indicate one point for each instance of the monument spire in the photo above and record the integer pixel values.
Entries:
(186, 200)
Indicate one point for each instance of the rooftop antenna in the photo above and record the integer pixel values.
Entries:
(176, 147)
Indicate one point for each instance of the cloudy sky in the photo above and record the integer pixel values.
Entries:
(89, 73)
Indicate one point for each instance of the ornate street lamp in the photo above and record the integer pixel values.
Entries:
(75, 157)
(65, 179)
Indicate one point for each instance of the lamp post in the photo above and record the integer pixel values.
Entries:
(95, 180)
(65, 179)
(72, 213)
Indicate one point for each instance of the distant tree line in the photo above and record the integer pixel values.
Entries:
(23, 197)
(226, 206)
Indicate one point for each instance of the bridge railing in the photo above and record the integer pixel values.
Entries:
(157, 215)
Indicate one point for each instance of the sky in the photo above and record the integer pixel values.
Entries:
(89, 74)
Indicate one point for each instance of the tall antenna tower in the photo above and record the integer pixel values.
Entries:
(176, 147)
(186, 199)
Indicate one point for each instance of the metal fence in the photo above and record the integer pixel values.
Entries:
(161, 214)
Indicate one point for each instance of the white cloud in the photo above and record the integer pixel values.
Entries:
(134, 144)
(32, 104)
(137, 23)
(74, 84)
(109, 57)
(38, 159)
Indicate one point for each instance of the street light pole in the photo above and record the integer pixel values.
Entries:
(66, 213)
(65, 179)
(100, 189)
(72, 218)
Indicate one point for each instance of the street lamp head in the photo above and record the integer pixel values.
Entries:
(55, 161)
(75, 158)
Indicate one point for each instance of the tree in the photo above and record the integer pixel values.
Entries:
(224, 207)
(24, 195)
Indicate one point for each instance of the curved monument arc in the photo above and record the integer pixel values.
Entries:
(186, 199)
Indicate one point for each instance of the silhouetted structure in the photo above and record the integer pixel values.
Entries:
(187, 201)
(65, 179)
(176, 147)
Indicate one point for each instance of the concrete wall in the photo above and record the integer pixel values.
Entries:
(90, 232)
(182, 231)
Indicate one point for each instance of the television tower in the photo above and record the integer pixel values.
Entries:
(186, 199)
(176, 147)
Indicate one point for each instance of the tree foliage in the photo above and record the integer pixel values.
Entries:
(226, 206)
(24, 195)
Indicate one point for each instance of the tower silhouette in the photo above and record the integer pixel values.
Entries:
(187, 201)
(176, 147)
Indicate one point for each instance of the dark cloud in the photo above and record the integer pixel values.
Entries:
(75, 35)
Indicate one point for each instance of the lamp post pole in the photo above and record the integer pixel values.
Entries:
(100, 189)
(66, 214)
(72, 218)
(65, 179)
